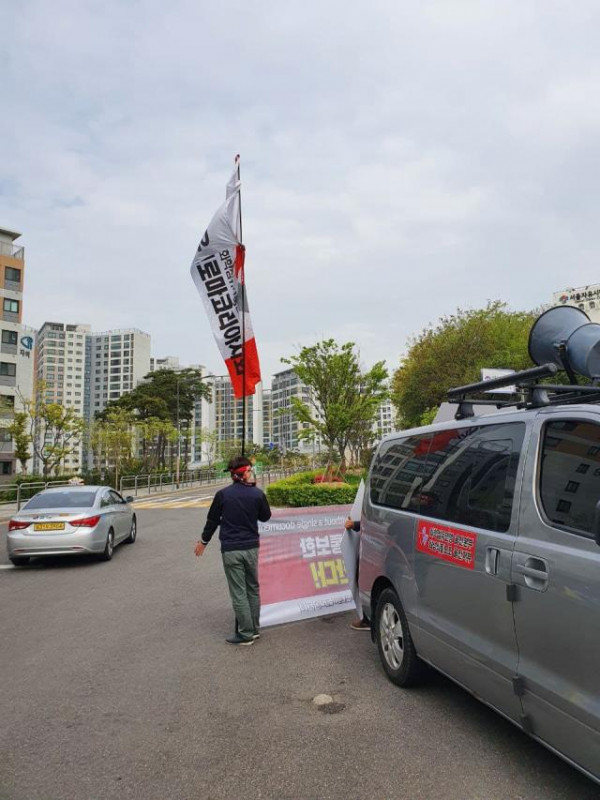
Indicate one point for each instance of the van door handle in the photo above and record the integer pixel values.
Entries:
(492, 556)
(535, 573)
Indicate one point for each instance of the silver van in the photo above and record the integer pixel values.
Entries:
(480, 555)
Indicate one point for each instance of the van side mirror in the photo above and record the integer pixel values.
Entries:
(596, 523)
(129, 499)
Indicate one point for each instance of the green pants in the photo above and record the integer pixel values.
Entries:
(241, 571)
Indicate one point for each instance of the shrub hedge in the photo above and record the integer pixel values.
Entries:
(297, 491)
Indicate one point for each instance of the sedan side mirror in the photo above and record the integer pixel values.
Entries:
(129, 499)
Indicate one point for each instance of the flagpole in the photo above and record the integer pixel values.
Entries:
(243, 318)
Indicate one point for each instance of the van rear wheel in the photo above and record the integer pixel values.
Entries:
(394, 642)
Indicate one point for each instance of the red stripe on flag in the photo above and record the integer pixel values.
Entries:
(238, 267)
(235, 368)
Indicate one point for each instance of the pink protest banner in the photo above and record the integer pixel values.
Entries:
(301, 568)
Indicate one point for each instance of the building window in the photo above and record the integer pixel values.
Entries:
(11, 306)
(10, 337)
(11, 274)
(8, 369)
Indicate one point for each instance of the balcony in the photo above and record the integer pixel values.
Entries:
(10, 250)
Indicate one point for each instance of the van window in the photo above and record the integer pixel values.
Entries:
(472, 475)
(398, 472)
(570, 474)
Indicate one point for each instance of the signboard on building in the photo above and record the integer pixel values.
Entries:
(581, 295)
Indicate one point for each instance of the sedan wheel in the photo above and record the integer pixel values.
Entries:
(109, 547)
(19, 561)
(132, 533)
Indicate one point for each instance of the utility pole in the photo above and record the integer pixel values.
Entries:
(178, 439)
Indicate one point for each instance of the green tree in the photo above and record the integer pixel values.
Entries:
(21, 438)
(112, 438)
(165, 400)
(452, 354)
(166, 394)
(208, 441)
(342, 396)
(54, 430)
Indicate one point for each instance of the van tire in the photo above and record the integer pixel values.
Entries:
(396, 648)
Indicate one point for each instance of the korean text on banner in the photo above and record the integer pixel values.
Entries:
(301, 569)
(218, 272)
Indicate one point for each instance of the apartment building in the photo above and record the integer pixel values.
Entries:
(62, 370)
(166, 362)
(285, 426)
(385, 421)
(85, 371)
(119, 360)
(223, 419)
(16, 347)
(267, 416)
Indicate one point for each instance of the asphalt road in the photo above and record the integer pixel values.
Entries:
(117, 683)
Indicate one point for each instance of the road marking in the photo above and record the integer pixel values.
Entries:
(167, 503)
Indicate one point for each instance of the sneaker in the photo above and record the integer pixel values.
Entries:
(239, 640)
(256, 635)
(360, 625)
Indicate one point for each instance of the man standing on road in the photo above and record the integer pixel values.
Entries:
(237, 509)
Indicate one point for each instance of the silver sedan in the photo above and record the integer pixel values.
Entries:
(71, 520)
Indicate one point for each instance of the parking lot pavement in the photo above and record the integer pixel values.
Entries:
(118, 684)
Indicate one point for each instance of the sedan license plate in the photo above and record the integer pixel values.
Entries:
(49, 526)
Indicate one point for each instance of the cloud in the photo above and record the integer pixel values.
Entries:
(397, 161)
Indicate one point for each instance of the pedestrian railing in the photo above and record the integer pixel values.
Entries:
(157, 482)
(19, 493)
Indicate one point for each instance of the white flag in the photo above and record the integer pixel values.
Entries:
(218, 272)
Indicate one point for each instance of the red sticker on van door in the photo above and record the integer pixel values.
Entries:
(449, 544)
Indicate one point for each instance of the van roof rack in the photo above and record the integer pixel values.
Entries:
(528, 394)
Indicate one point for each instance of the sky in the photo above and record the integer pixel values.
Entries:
(399, 160)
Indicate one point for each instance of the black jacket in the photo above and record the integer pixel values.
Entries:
(237, 509)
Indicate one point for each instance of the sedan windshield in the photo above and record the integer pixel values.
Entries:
(66, 499)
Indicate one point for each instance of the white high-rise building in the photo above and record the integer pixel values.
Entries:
(267, 418)
(223, 419)
(119, 360)
(166, 362)
(62, 368)
(85, 371)
(385, 421)
(285, 426)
